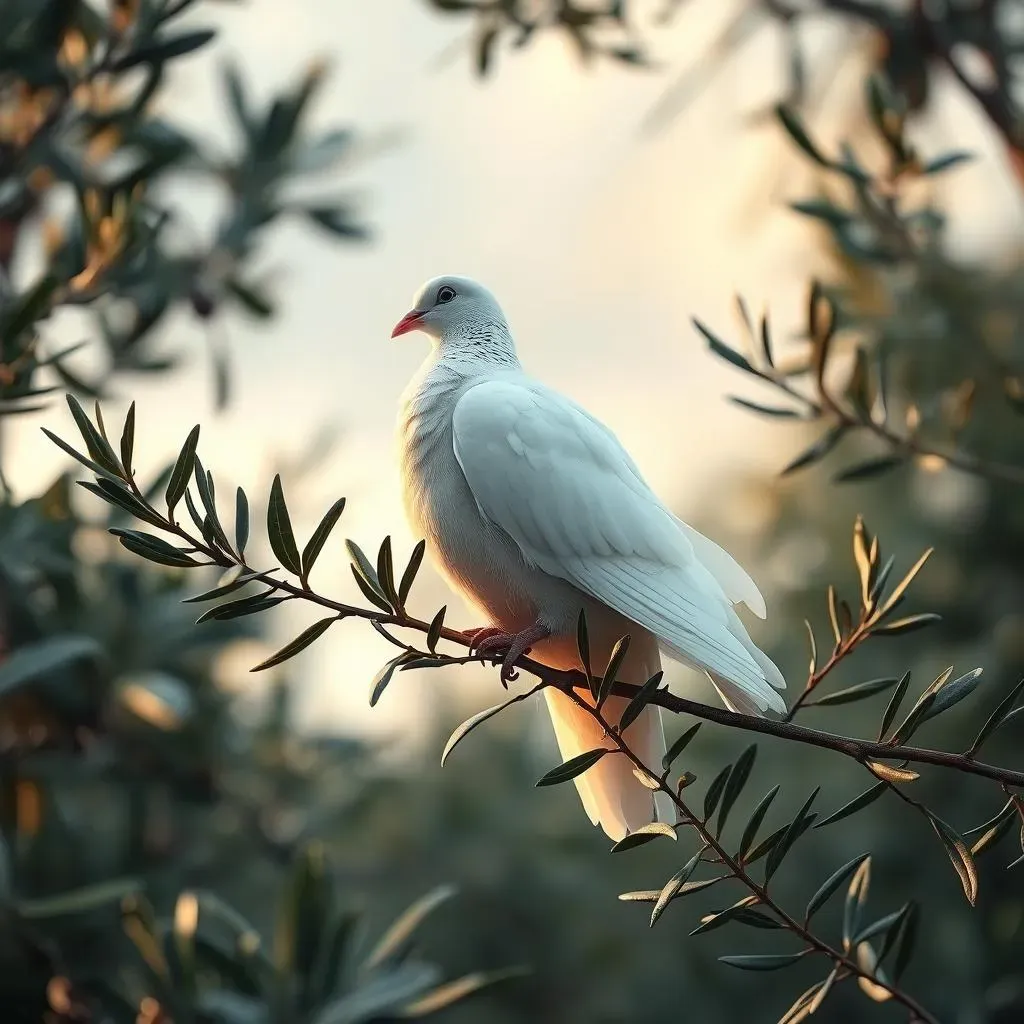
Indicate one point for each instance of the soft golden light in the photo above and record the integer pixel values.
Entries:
(186, 914)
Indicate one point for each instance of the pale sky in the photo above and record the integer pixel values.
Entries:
(600, 242)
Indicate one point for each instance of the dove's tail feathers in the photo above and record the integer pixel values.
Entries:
(748, 694)
(612, 795)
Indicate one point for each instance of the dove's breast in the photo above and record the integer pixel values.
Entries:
(477, 558)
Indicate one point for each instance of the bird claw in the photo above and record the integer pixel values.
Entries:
(477, 636)
(494, 643)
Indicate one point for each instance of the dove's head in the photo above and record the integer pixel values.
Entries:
(452, 308)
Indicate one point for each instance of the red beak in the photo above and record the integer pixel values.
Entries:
(409, 322)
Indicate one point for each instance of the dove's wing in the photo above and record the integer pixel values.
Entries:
(562, 487)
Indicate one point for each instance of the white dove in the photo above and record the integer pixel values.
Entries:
(533, 510)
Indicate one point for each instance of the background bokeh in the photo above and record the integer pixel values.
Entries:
(604, 223)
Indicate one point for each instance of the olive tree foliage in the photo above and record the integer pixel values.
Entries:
(853, 388)
(130, 796)
(856, 378)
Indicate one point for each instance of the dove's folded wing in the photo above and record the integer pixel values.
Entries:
(563, 488)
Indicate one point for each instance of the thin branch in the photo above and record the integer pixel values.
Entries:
(739, 872)
(568, 681)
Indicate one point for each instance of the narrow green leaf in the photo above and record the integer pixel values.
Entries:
(216, 592)
(756, 919)
(574, 766)
(914, 718)
(158, 51)
(852, 693)
(471, 723)
(383, 677)
(905, 943)
(832, 884)
(761, 961)
(715, 790)
(892, 934)
(856, 897)
(755, 820)
(241, 522)
(411, 569)
(155, 549)
(436, 625)
(312, 550)
(89, 464)
(184, 466)
(615, 660)
(679, 746)
(368, 592)
(214, 531)
(796, 131)
(780, 412)
(734, 786)
(741, 912)
(279, 529)
(117, 494)
(673, 886)
(644, 835)
(95, 443)
(243, 606)
(766, 845)
(639, 701)
(880, 580)
(894, 704)
(946, 161)
(386, 572)
(882, 925)
(723, 351)
(366, 569)
(858, 803)
(996, 718)
(1007, 810)
(796, 829)
(868, 469)
(300, 643)
(818, 450)
(823, 210)
(953, 692)
(128, 440)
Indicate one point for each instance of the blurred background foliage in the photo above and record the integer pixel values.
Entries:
(150, 828)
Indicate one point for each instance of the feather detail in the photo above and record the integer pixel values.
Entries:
(562, 487)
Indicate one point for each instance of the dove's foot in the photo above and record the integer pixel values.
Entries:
(476, 636)
(514, 645)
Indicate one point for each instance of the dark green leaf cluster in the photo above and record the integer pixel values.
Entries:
(594, 30)
(85, 134)
(856, 394)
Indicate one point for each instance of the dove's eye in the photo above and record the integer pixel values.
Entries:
(445, 294)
